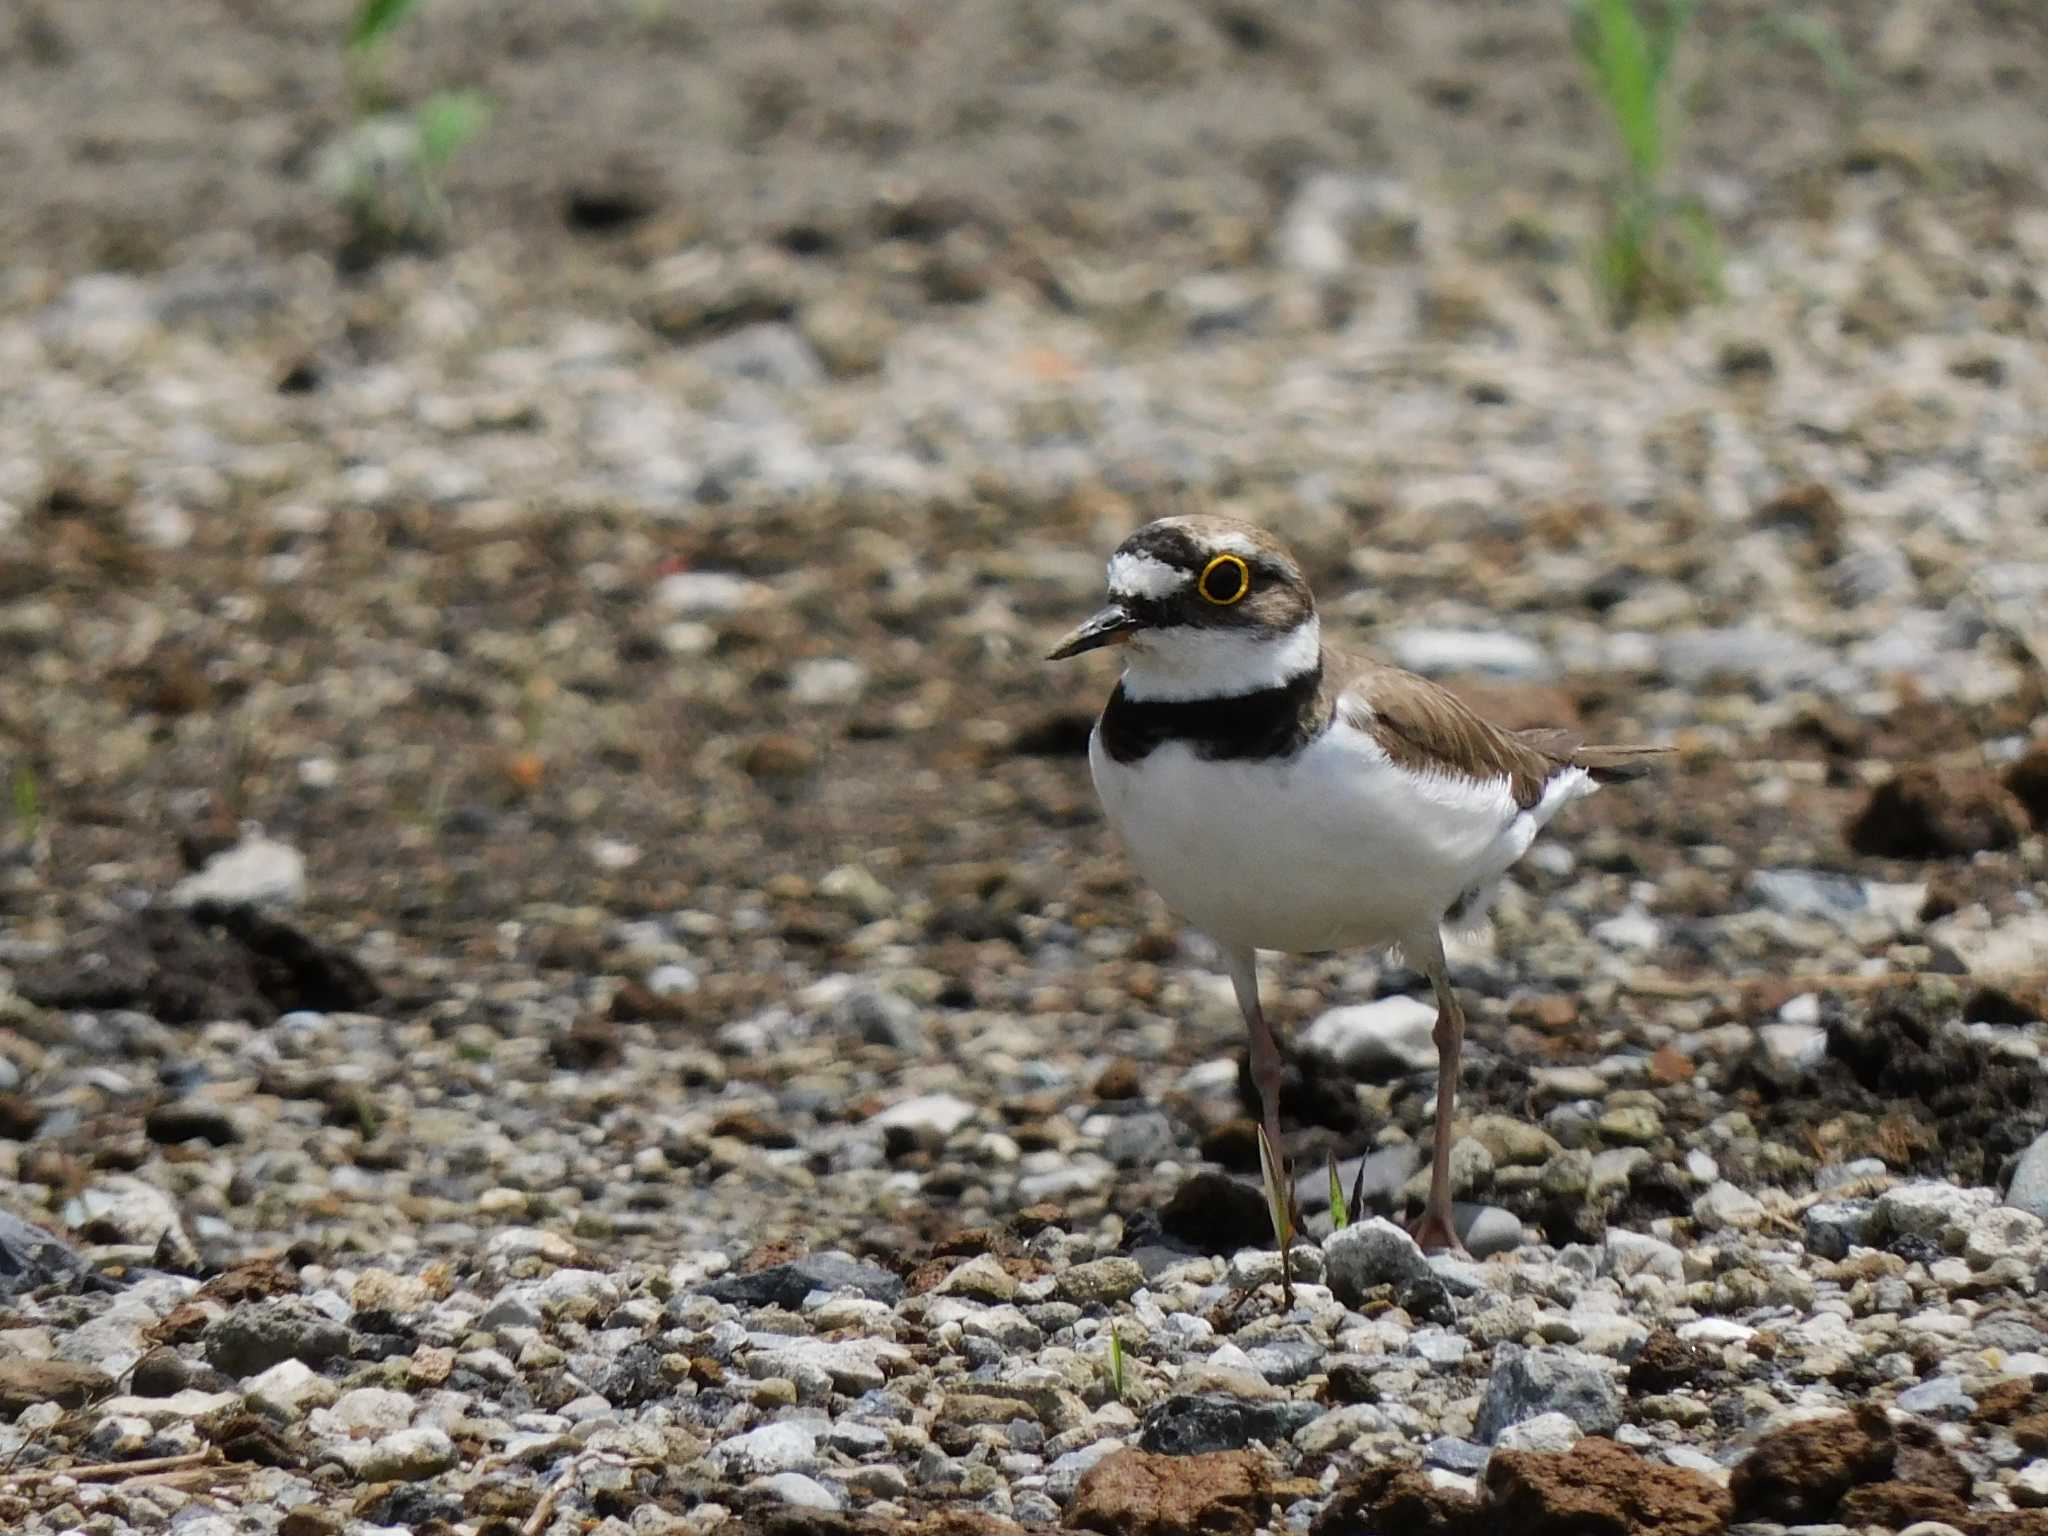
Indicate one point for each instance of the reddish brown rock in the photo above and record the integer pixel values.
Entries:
(1799, 1473)
(1896, 1505)
(2032, 1434)
(1665, 1363)
(1924, 814)
(1598, 1488)
(2028, 781)
(1134, 1493)
(1394, 1496)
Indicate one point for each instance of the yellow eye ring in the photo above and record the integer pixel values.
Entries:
(1244, 580)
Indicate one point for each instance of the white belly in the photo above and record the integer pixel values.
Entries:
(1332, 848)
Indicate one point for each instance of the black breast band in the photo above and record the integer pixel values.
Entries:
(1274, 722)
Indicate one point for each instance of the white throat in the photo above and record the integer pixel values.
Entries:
(1186, 662)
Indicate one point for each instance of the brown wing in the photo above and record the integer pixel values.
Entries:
(1428, 729)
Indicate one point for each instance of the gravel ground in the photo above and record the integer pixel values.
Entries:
(559, 971)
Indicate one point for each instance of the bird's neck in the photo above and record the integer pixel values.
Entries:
(1185, 662)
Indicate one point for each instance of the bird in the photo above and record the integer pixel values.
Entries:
(1281, 794)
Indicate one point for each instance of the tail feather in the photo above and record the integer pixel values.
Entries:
(1613, 765)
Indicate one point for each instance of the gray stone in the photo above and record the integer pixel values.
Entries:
(1808, 893)
(786, 1285)
(1101, 1281)
(2029, 1188)
(784, 1446)
(1927, 1208)
(1529, 1382)
(1628, 1253)
(1068, 1470)
(260, 1334)
(31, 1256)
(796, 1490)
(121, 1208)
(1485, 1229)
(1833, 1227)
(1139, 1140)
(1939, 1397)
(1386, 1170)
(405, 1456)
(1191, 1424)
(880, 1018)
(1465, 1457)
(1368, 1254)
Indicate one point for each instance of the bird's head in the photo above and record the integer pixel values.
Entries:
(1208, 607)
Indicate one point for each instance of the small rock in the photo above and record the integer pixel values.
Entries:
(367, 1411)
(1939, 1397)
(1545, 1432)
(2029, 1188)
(120, 1208)
(1725, 1207)
(1833, 1227)
(1512, 1143)
(1941, 1213)
(784, 1446)
(1600, 1486)
(1628, 1253)
(24, 1383)
(258, 871)
(403, 1457)
(796, 1490)
(1136, 1493)
(981, 1278)
(1101, 1281)
(290, 1389)
(925, 1121)
(1928, 813)
(1372, 1253)
(1800, 1472)
(259, 1334)
(1378, 1040)
(1529, 1382)
(786, 1285)
(1191, 1424)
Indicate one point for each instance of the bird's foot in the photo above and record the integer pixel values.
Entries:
(1433, 1233)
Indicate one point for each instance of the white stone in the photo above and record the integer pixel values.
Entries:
(798, 1491)
(927, 1119)
(784, 1446)
(371, 1410)
(1545, 1432)
(290, 1389)
(1391, 1035)
(258, 871)
(1941, 1213)
(1724, 1206)
(1637, 1253)
(1715, 1330)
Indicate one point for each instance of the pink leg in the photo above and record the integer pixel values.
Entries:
(1435, 1231)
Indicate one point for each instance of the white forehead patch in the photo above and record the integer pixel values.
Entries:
(1144, 576)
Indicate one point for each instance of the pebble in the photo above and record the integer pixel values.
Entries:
(258, 871)
(1527, 1383)
(1376, 1040)
(2028, 1190)
(1369, 1254)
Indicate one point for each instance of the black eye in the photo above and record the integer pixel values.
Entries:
(1224, 580)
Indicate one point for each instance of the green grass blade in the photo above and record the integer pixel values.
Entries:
(1116, 1363)
(447, 121)
(1340, 1214)
(375, 19)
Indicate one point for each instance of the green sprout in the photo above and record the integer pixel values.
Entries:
(1340, 1213)
(28, 805)
(1118, 1385)
(388, 172)
(1657, 251)
(1281, 1208)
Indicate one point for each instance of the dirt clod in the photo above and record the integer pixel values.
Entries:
(1925, 813)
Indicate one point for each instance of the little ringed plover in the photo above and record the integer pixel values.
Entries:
(1282, 795)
